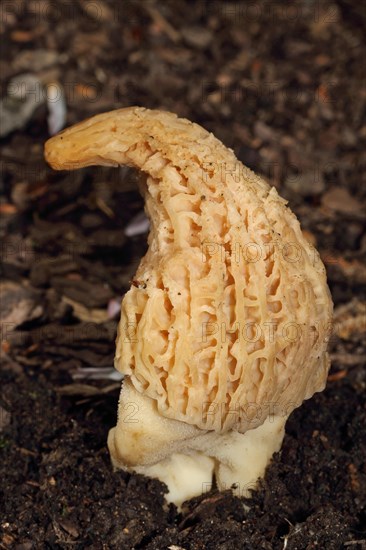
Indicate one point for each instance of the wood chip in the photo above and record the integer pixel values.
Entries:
(22, 36)
(97, 9)
(88, 315)
(87, 390)
(354, 477)
(5, 417)
(337, 376)
(340, 200)
(69, 527)
(7, 208)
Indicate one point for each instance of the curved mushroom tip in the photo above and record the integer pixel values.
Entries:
(226, 332)
(62, 152)
(51, 153)
(84, 143)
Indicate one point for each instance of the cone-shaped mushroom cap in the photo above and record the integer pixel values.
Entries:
(230, 312)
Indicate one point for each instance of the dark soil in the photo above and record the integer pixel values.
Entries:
(282, 85)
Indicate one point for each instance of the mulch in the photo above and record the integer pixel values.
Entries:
(280, 84)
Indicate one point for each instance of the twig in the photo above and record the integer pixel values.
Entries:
(158, 18)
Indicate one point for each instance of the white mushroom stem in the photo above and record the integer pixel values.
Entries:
(224, 330)
(185, 457)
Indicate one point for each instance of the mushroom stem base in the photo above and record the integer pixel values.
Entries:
(185, 457)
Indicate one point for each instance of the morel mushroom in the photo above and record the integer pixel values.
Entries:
(224, 330)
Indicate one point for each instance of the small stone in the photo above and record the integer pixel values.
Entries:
(198, 37)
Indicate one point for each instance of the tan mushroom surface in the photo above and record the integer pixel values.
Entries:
(226, 330)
